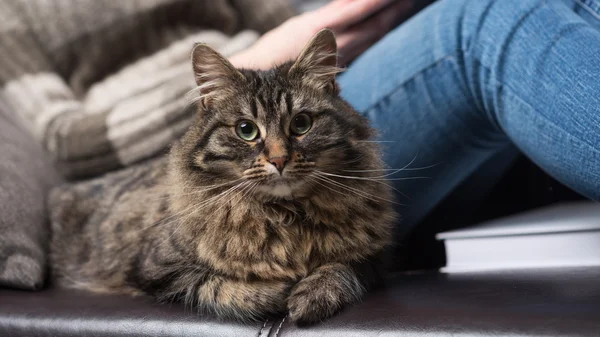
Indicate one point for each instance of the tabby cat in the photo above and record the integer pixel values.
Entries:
(267, 205)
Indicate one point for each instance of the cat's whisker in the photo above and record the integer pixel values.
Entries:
(403, 168)
(359, 192)
(395, 170)
(374, 170)
(210, 188)
(378, 178)
(326, 186)
(183, 221)
(206, 186)
(346, 187)
(355, 190)
(249, 191)
(406, 178)
(199, 206)
(376, 141)
(400, 169)
(200, 191)
(213, 198)
(242, 194)
(218, 198)
(157, 223)
(313, 179)
(385, 182)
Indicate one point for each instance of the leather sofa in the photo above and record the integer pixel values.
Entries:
(544, 302)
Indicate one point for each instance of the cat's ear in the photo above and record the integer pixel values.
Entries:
(317, 63)
(215, 75)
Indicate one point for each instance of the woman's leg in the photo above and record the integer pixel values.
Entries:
(463, 79)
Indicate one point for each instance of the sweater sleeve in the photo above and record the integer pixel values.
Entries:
(103, 91)
(263, 16)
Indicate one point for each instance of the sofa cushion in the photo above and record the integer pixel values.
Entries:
(25, 177)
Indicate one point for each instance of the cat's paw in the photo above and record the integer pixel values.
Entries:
(323, 293)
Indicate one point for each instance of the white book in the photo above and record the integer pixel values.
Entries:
(564, 235)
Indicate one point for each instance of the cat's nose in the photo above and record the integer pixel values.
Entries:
(279, 162)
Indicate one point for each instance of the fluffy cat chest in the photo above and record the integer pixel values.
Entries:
(272, 250)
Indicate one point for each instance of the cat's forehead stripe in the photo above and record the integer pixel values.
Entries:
(280, 94)
(289, 103)
(262, 102)
(271, 104)
(253, 108)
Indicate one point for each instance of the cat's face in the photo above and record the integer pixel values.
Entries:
(275, 132)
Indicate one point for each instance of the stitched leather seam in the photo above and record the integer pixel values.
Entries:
(263, 328)
(280, 325)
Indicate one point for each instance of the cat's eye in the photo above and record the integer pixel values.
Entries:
(301, 123)
(247, 130)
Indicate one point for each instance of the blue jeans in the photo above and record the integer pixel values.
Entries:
(466, 83)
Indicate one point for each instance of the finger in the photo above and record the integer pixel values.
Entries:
(388, 18)
(345, 59)
(359, 38)
(352, 44)
(341, 14)
(352, 38)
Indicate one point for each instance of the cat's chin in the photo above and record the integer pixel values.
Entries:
(278, 190)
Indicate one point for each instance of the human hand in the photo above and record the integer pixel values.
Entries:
(346, 18)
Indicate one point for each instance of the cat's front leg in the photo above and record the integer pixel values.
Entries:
(326, 291)
(242, 300)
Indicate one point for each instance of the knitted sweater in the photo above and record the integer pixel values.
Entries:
(101, 84)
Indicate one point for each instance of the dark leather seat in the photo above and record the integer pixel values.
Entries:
(541, 302)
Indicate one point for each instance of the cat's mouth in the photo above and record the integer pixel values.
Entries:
(280, 186)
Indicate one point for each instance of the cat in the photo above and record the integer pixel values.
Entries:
(271, 203)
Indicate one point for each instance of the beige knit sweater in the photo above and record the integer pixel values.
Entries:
(101, 84)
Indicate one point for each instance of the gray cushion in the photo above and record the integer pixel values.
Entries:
(26, 175)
